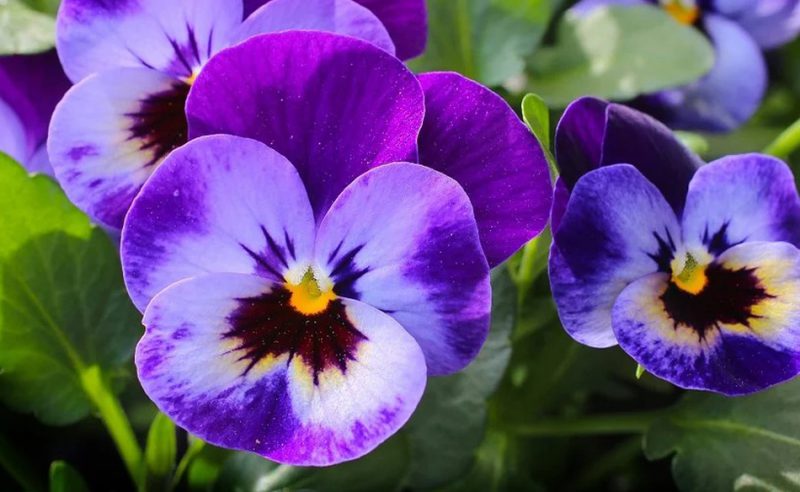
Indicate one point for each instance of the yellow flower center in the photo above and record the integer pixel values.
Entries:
(307, 296)
(685, 12)
(688, 274)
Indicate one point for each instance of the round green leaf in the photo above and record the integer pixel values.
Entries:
(63, 306)
(64, 478)
(25, 30)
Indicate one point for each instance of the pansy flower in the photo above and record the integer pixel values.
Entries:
(30, 87)
(134, 61)
(298, 290)
(692, 269)
(739, 30)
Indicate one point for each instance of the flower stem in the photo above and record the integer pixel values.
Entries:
(195, 446)
(115, 420)
(786, 143)
(620, 423)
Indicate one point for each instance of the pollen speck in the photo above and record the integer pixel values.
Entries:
(307, 296)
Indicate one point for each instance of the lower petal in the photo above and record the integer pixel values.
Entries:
(739, 335)
(110, 132)
(403, 238)
(312, 398)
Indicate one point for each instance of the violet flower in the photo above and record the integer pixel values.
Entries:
(134, 61)
(298, 295)
(733, 90)
(694, 271)
(30, 87)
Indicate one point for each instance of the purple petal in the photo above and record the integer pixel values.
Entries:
(218, 204)
(739, 335)
(583, 7)
(175, 36)
(335, 16)
(110, 132)
(405, 20)
(403, 239)
(617, 228)
(310, 397)
(771, 23)
(333, 105)
(741, 198)
(31, 86)
(626, 136)
(728, 95)
(473, 136)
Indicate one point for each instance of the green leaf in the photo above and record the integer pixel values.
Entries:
(722, 444)
(24, 30)
(450, 422)
(486, 40)
(618, 53)
(63, 307)
(161, 447)
(694, 142)
(537, 117)
(64, 478)
(49, 7)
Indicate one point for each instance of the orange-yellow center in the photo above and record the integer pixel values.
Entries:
(689, 275)
(684, 12)
(307, 297)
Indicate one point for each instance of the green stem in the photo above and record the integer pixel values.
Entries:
(621, 423)
(115, 420)
(278, 477)
(195, 446)
(786, 143)
(18, 467)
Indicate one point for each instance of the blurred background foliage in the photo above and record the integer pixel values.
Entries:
(536, 411)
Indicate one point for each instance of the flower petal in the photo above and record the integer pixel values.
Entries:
(617, 228)
(315, 397)
(771, 23)
(110, 132)
(586, 139)
(32, 85)
(175, 37)
(724, 98)
(473, 136)
(217, 204)
(13, 137)
(740, 335)
(741, 198)
(406, 21)
(403, 238)
(335, 16)
(337, 106)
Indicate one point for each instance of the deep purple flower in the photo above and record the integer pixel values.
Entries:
(693, 269)
(134, 62)
(298, 294)
(731, 92)
(30, 87)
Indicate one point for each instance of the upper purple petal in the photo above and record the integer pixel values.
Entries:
(175, 36)
(771, 23)
(728, 95)
(579, 138)
(472, 135)
(333, 105)
(405, 20)
(337, 16)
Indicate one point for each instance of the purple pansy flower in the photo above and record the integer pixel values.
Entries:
(731, 92)
(134, 61)
(692, 269)
(30, 87)
(299, 289)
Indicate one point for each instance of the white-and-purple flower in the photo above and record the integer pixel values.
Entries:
(323, 243)
(30, 88)
(692, 268)
(133, 62)
(733, 90)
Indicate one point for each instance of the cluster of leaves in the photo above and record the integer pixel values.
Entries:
(535, 411)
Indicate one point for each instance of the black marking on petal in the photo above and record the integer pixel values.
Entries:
(666, 250)
(260, 261)
(728, 298)
(345, 273)
(267, 325)
(289, 244)
(276, 250)
(719, 242)
(159, 125)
